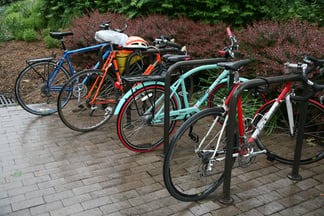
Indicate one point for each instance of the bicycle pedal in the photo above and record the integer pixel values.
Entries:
(80, 108)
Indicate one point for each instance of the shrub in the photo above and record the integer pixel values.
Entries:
(14, 22)
(48, 40)
(4, 33)
(84, 29)
(270, 44)
(202, 40)
(51, 42)
(23, 15)
(30, 35)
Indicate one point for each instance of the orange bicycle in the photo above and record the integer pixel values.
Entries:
(88, 98)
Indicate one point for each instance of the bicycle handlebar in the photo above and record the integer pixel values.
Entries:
(106, 26)
(309, 60)
(163, 41)
(228, 52)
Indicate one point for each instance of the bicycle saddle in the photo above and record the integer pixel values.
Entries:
(234, 66)
(60, 35)
(174, 57)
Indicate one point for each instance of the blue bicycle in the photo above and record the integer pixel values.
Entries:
(38, 85)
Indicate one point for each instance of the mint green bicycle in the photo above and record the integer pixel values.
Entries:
(140, 121)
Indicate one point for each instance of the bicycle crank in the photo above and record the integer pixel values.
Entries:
(248, 154)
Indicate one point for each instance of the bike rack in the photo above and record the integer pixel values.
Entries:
(232, 129)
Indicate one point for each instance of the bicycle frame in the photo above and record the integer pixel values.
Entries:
(180, 113)
(285, 94)
(66, 57)
(241, 129)
(111, 62)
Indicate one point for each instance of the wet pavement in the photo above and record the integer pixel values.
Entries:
(48, 169)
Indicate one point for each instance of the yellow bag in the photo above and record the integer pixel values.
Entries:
(122, 56)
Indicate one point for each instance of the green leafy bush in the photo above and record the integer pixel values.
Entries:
(15, 24)
(51, 42)
(30, 35)
(24, 15)
(4, 33)
(48, 40)
(235, 13)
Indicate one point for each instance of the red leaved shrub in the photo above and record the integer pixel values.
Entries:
(268, 43)
(84, 29)
(202, 40)
(272, 43)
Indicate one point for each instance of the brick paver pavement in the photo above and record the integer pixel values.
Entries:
(48, 169)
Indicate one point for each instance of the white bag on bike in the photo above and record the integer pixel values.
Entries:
(112, 36)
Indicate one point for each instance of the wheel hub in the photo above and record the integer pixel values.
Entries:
(45, 90)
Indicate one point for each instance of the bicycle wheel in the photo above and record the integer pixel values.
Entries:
(77, 107)
(191, 171)
(33, 91)
(137, 127)
(278, 142)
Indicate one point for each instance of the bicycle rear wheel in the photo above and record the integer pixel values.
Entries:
(33, 91)
(137, 127)
(278, 142)
(81, 106)
(190, 171)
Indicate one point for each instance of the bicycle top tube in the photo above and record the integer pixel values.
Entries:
(82, 50)
(66, 55)
(182, 112)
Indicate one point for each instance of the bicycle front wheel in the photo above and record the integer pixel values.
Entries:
(194, 163)
(33, 89)
(138, 124)
(280, 143)
(83, 105)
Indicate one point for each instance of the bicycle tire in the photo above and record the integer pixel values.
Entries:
(74, 102)
(32, 91)
(185, 171)
(135, 128)
(276, 138)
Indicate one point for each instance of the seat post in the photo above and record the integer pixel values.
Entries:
(63, 45)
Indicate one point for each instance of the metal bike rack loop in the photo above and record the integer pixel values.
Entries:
(232, 129)
(167, 90)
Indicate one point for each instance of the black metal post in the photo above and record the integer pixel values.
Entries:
(303, 108)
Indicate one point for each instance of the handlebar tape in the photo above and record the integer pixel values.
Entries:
(229, 32)
(174, 45)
